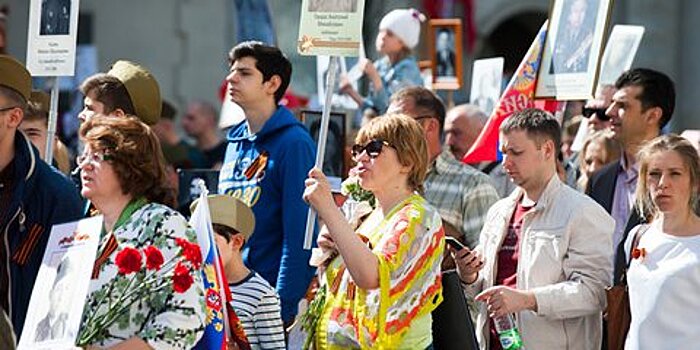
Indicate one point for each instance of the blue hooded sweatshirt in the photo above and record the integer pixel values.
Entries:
(267, 170)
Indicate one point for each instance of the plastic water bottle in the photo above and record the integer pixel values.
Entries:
(508, 333)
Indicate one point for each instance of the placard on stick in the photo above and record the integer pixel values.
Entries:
(51, 40)
(61, 287)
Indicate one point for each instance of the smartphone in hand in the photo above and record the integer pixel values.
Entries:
(456, 244)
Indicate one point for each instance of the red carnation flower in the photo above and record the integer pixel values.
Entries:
(154, 258)
(190, 251)
(182, 280)
(639, 253)
(128, 260)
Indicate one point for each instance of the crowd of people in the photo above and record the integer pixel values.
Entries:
(540, 234)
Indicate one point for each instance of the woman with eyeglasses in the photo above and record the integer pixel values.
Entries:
(379, 290)
(664, 271)
(123, 175)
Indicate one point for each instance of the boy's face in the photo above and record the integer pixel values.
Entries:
(225, 249)
(36, 131)
(91, 107)
(245, 83)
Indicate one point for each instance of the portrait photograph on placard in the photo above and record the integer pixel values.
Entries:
(52, 37)
(55, 17)
(446, 52)
(619, 52)
(572, 49)
(58, 297)
(487, 76)
(333, 161)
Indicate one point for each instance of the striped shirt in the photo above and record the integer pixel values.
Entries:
(461, 194)
(258, 307)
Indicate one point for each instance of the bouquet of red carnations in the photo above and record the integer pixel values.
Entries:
(142, 272)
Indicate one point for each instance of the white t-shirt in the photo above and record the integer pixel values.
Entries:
(664, 288)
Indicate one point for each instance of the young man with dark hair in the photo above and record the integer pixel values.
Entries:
(127, 89)
(268, 158)
(642, 105)
(544, 252)
(33, 197)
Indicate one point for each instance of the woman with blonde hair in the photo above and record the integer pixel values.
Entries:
(664, 270)
(379, 290)
(599, 149)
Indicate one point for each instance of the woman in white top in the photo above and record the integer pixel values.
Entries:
(664, 275)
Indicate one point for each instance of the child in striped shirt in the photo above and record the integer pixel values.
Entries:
(255, 302)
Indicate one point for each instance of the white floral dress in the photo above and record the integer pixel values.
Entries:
(164, 319)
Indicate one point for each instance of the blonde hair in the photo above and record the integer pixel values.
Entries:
(691, 161)
(406, 136)
(611, 147)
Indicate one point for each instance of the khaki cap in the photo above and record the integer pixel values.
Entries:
(41, 99)
(232, 212)
(15, 76)
(142, 88)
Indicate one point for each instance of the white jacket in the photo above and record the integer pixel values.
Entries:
(565, 260)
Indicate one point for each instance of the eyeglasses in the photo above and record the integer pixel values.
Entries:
(372, 148)
(93, 158)
(5, 109)
(599, 112)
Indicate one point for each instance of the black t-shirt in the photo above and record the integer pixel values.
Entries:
(216, 154)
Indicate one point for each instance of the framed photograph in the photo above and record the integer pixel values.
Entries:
(333, 160)
(572, 49)
(619, 52)
(61, 287)
(188, 189)
(51, 40)
(445, 42)
(487, 76)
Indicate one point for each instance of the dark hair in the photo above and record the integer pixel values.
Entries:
(269, 60)
(658, 90)
(135, 153)
(540, 126)
(225, 231)
(425, 101)
(109, 91)
(167, 111)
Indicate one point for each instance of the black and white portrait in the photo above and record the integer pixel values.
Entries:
(55, 324)
(574, 39)
(55, 17)
(619, 52)
(487, 76)
(333, 160)
(445, 53)
(332, 5)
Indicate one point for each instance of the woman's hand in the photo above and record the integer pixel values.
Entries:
(469, 263)
(318, 192)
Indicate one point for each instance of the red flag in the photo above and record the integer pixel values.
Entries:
(518, 95)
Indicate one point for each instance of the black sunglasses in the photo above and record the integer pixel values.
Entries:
(373, 148)
(599, 112)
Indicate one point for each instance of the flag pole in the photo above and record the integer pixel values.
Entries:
(321, 148)
(53, 120)
(204, 193)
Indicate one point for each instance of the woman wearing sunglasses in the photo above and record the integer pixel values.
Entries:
(380, 289)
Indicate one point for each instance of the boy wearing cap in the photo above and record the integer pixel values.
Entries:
(267, 160)
(127, 89)
(33, 197)
(253, 299)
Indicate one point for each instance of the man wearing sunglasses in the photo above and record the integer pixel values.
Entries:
(461, 193)
(33, 197)
(595, 109)
(642, 105)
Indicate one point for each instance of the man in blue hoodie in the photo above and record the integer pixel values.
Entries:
(33, 197)
(268, 158)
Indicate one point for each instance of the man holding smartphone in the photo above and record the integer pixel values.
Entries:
(545, 251)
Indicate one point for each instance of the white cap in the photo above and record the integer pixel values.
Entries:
(405, 24)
